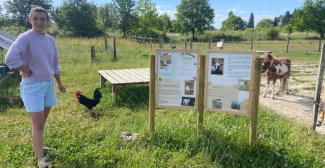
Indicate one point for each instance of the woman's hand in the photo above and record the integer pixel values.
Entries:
(62, 88)
(24, 74)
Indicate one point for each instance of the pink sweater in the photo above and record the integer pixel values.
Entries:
(37, 52)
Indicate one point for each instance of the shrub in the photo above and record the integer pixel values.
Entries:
(272, 33)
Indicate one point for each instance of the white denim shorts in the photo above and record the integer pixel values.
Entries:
(37, 95)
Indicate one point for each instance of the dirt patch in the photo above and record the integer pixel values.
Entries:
(297, 105)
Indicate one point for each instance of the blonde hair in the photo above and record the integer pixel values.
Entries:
(36, 8)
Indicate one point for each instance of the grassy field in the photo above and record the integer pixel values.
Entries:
(94, 142)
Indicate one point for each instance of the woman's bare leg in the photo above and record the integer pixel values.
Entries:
(38, 121)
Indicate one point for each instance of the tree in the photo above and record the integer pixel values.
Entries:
(265, 23)
(78, 17)
(250, 31)
(310, 17)
(286, 18)
(288, 29)
(104, 15)
(230, 13)
(55, 15)
(272, 33)
(125, 15)
(166, 23)
(251, 21)
(148, 16)
(194, 15)
(233, 22)
(276, 21)
(21, 9)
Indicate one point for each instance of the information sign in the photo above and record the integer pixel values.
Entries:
(229, 81)
(176, 78)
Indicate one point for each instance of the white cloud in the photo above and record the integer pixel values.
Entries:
(238, 5)
(171, 11)
(233, 10)
(218, 17)
(266, 11)
(245, 18)
(284, 10)
(262, 2)
(243, 11)
(300, 1)
(279, 4)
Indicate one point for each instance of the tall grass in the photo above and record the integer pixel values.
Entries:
(82, 141)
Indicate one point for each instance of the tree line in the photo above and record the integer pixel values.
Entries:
(86, 19)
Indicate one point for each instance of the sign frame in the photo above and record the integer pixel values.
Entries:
(251, 91)
(198, 52)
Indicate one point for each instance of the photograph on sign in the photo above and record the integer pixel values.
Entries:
(228, 81)
(176, 78)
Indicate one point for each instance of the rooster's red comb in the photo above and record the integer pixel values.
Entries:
(78, 93)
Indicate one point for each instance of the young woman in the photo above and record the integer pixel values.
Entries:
(35, 55)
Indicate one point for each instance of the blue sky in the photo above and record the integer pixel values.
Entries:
(243, 8)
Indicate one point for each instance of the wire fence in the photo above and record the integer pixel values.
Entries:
(234, 44)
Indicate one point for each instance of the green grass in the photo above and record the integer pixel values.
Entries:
(94, 142)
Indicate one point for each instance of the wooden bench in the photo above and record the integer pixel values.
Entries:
(123, 77)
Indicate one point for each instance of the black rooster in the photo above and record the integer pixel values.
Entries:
(89, 103)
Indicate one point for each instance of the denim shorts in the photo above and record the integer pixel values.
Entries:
(37, 95)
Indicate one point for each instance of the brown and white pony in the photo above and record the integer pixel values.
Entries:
(276, 68)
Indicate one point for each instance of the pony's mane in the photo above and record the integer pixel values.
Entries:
(265, 55)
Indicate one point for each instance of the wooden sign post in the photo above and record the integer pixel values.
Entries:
(222, 80)
(232, 80)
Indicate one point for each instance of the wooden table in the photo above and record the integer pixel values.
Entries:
(123, 77)
(264, 52)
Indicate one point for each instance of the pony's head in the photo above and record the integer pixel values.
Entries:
(267, 62)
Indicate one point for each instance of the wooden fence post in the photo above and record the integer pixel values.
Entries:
(106, 47)
(171, 43)
(201, 94)
(160, 46)
(145, 42)
(288, 43)
(319, 87)
(255, 100)
(92, 53)
(252, 43)
(185, 43)
(114, 45)
(152, 95)
(209, 42)
(320, 39)
(151, 43)
(190, 43)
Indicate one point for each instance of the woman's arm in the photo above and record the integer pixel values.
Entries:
(24, 72)
(58, 80)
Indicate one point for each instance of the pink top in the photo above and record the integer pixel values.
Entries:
(37, 52)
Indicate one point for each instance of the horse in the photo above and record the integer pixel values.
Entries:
(276, 68)
(188, 88)
(186, 101)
